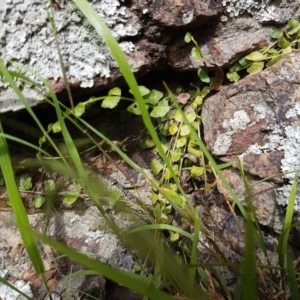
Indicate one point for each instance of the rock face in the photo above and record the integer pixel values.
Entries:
(83, 231)
(150, 34)
(257, 121)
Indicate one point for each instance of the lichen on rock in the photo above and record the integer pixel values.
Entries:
(26, 36)
(261, 10)
(259, 116)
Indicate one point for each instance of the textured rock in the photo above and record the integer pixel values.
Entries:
(146, 33)
(184, 12)
(81, 230)
(25, 37)
(222, 43)
(261, 10)
(257, 121)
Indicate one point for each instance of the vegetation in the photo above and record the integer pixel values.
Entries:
(168, 247)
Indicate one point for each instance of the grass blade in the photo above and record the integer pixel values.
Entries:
(5, 282)
(129, 280)
(97, 22)
(18, 208)
(7, 76)
(285, 260)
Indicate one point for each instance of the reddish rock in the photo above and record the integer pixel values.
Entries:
(184, 12)
(257, 121)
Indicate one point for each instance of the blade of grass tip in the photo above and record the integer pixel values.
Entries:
(97, 22)
(285, 261)
(18, 208)
(132, 281)
(24, 101)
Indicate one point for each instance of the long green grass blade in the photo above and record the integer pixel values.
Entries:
(7, 76)
(248, 267)
(18, 208)
(285, 261)
(97, 22)
(292, 278)
(24, 143)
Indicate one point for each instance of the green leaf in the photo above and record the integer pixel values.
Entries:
(156, 166)
(167, 175)
(56, 128)
(143, 90)
(38, 201)
(272, 51)
(244, 61)
(205, 91)
(26, 183)
(49, 185)
(191, 116)
(134, 108)
(161, 109)
(236, 67)
(233, 76)
(198, 101)
(272, 61)
(173, 129)
(294, 30)
(153, 97)
(277, 34)
(197, 171)
(203, 76)
(112, 99)
(147, 143)
(192, 150)
(174, 236)
(178, 116)
(283, 43)
(294, 25)
(196, 53)
(71, 197)
(79, 109)
(256, 67)
(173, 197)
(287, 50)
(188, 37)
(255, 56)
(175, 155)
(153, 198)
(181, 142)
(185, 130)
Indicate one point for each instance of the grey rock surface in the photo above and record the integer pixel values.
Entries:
(257, 120)
(84, 231)
(145, 30)
(261, 10)
(26, 38)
